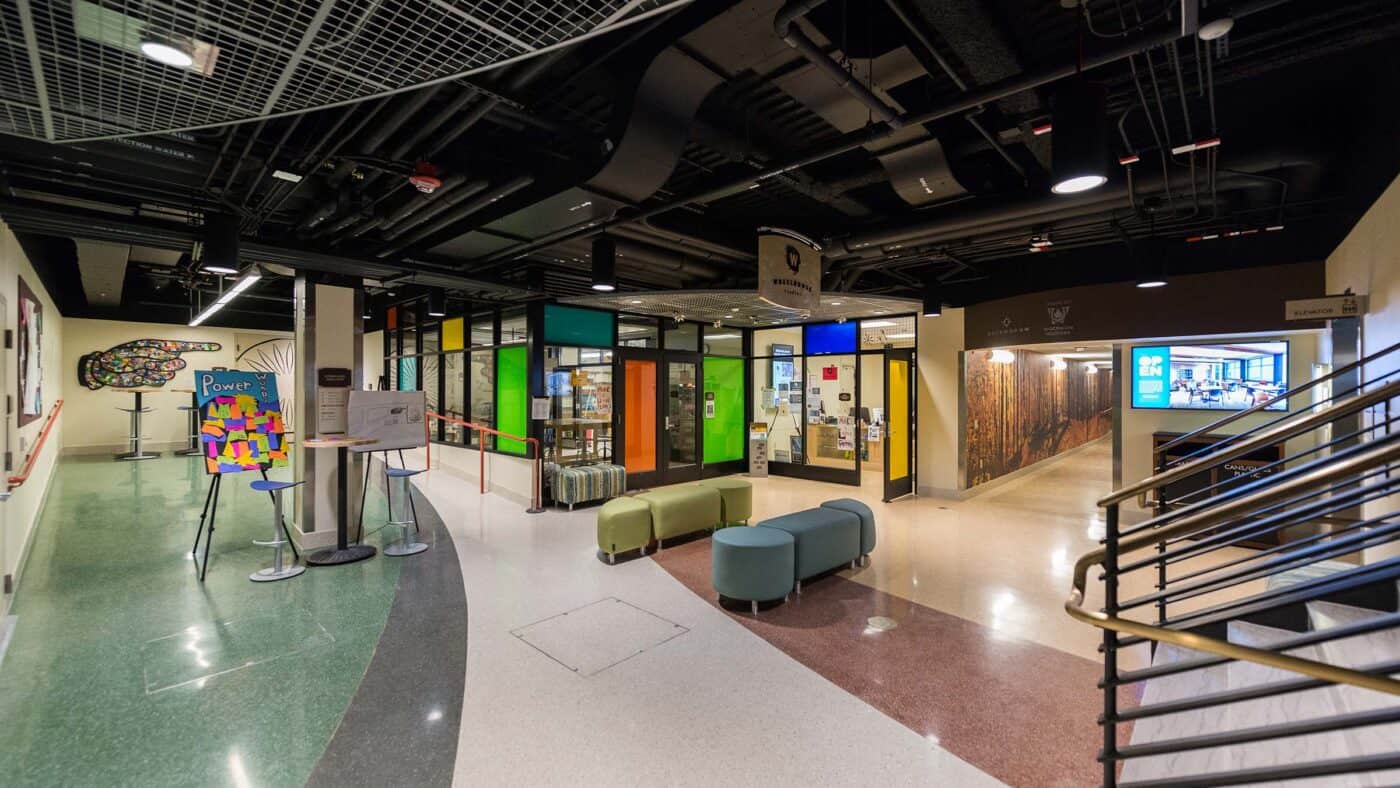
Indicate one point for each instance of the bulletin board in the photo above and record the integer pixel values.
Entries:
(241, 421)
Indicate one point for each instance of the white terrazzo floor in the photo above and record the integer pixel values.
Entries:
(713, 706)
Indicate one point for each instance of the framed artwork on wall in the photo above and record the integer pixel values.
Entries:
(28, 341)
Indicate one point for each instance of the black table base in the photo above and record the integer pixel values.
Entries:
(340, 555)
(343, 552)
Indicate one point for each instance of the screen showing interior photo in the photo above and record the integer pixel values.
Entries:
(1231, 376)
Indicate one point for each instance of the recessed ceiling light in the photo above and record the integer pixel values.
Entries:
(1146, 283)
(636, 300)
(1079, 183)
(836, 303)
(168, 51)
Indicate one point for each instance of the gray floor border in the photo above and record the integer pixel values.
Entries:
(402, 726)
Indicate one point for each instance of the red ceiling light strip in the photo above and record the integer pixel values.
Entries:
(1131, 158)
(1043, 128)
(1200, 145)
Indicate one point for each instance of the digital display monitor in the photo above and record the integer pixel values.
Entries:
(1231, 376)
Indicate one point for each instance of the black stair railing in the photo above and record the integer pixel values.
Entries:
(1315, 517)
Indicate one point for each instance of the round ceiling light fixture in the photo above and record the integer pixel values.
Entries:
(168, 50)
(1079, 147)
(933, 303)
(1216, 28)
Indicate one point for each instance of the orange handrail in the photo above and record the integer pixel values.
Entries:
(23, 475)
(536, 504)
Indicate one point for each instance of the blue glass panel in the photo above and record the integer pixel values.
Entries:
(830, 338)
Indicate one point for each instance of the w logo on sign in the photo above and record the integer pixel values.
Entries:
(1149, 366)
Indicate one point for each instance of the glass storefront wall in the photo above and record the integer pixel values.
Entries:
(579, 385)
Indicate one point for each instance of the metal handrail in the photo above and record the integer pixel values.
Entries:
(1283, 431)
(23, 475)
(536, 502)
(1260, 406)
(1342, 469)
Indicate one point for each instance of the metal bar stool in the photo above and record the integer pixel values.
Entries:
(135, 438)
(280, 537)
(193, 410)
(407, 544)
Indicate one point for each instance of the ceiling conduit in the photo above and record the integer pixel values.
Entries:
(457, 214)
(856, 140)
(785, 25)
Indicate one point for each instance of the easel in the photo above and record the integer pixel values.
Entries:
(211, 508)
(388, 491)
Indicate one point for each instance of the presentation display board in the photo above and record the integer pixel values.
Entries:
(394, 419)
(241, 421)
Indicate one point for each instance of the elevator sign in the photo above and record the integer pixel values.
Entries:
(789, 270)
(1151, 367)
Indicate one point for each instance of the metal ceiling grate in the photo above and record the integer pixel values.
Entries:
(743, 307)
(73, 69)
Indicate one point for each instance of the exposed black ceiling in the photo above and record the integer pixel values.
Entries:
(683, 133)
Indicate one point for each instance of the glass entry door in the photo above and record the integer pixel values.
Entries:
(899, 421)
(656, 417)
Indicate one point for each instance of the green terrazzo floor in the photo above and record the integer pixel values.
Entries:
(125, 670)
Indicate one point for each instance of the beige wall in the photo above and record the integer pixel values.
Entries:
(940, 342)
(94, 423)
(372, 358)
(21, 512)
(1368, 261)
(1140, 423)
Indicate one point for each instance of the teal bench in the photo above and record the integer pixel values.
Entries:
(752, 564)
(867, 522)
(825, 538)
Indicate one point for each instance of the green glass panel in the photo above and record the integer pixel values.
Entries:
(724, 424)
(566, 325)
(512, 397)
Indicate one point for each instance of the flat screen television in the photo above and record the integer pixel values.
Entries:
(1227, 376)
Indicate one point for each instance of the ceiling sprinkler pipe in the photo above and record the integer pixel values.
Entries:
(459, 213)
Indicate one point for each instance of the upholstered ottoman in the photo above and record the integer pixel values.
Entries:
(825, 539)
(623, 524)
(867, 521)
(682, 509)
(735, 496)
(571, 484)
(754, 564)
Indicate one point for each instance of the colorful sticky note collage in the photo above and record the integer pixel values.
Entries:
(241, 426)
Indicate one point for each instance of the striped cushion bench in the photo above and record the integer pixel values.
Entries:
(578, 483)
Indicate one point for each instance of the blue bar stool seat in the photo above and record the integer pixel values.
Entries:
(278, 570)
(407, 543)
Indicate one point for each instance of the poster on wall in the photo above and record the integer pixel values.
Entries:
(394, 419)
(241, 425)
(140, 363)
(30, 362)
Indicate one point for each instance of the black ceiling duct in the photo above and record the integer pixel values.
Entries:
(604, 264)
(1079, 142)
(220, 244)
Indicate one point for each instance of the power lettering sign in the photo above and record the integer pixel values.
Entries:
(789, 270)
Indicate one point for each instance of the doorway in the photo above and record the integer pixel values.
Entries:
(899, 423)
(658, 423)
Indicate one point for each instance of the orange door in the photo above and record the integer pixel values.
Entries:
(639, 418)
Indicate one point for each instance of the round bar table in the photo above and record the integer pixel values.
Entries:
(193, 410)
(137, 452)
(343, 552)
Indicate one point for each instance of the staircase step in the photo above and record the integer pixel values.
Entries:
(1353, 652)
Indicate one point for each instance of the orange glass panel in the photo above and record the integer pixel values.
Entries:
(639, 422)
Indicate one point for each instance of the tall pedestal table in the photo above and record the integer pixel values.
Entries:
(137, 452)
(193, 410)
(343, 552)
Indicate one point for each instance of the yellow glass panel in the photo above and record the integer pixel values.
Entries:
(452, 334)
(898, 418)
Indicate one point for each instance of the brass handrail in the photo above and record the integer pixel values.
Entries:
(1382, 454)
(1282, 431)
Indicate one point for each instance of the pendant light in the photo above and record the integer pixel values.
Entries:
(220, 254)
(1150, 259)
(1079, 145)
(604, 264)
(437, 302)
(933, 302)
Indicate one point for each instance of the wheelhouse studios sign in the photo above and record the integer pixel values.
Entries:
(789, 269)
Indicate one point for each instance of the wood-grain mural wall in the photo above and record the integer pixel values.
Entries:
(1023, 411)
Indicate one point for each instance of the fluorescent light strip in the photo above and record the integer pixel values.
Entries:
(244, 282)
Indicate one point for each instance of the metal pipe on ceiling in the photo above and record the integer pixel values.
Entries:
(420, 213)
(459, 213)
(859, 139)
(785, 25)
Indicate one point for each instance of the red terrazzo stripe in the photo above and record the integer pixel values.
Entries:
(1019, 711)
